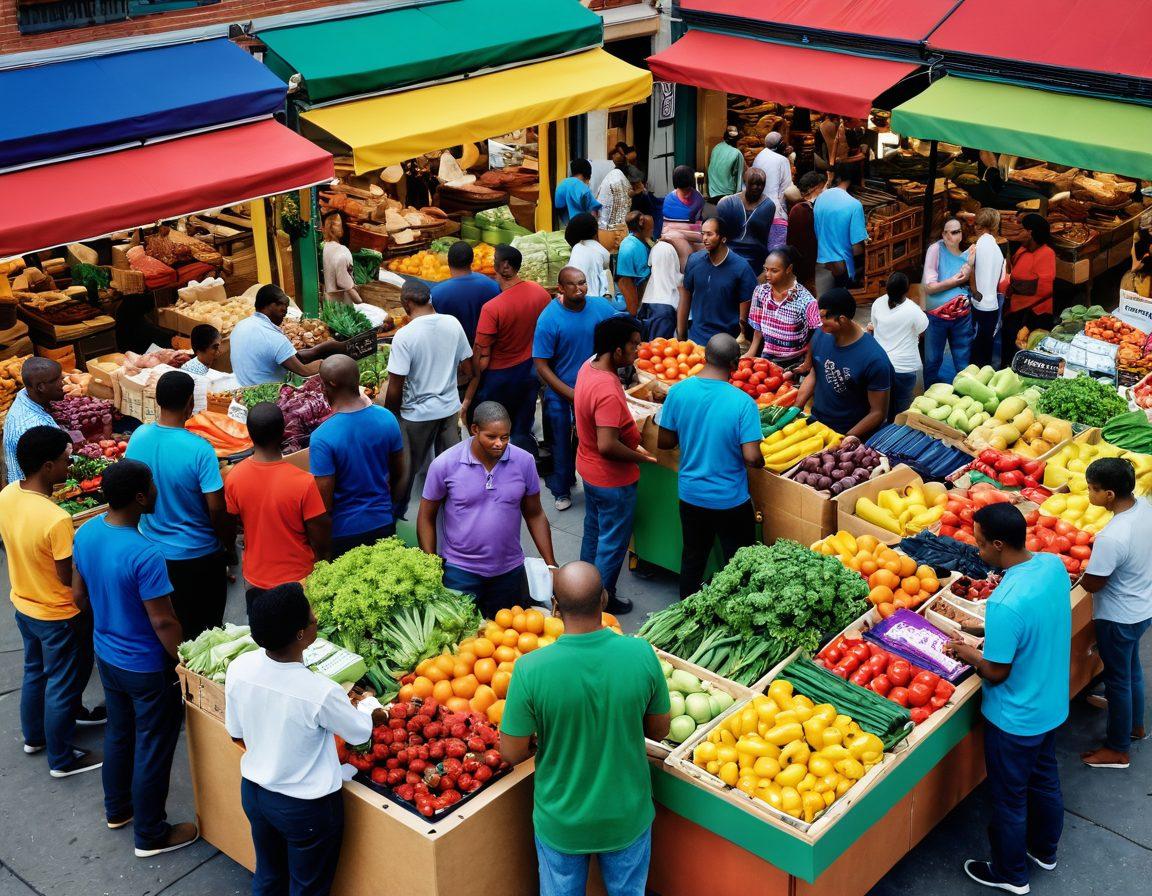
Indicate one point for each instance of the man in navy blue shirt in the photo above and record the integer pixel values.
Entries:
(464, 293)
(717, 288)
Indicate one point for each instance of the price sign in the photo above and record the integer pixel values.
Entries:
(1135, 310)
(1037, 365)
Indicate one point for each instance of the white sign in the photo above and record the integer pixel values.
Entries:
(1135, 310)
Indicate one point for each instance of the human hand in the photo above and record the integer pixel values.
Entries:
(645, 456)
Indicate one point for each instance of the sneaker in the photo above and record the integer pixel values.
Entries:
(121, 821)
(1097, 700)
(179, 836)
(563, 503)
(32, 749)
(82, 761)
(619, 606)
(97, 715)
(1049, 865)
(1105, 757)
(982, 873)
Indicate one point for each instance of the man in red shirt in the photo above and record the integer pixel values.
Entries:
(608, 455)
(286, 526)
(502, 358)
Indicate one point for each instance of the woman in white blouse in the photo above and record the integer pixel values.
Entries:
(988, 269)
(339, 284)
(589, 255)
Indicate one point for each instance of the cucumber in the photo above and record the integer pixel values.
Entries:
(887, 720)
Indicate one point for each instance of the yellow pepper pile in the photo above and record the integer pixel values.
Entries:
(905, 511)
(788, 446)
(1067, 466)
(796, 756)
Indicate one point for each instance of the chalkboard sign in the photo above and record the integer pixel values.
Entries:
(362, 344)
(1037, 365)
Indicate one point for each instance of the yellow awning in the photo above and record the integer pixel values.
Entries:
(385, 130)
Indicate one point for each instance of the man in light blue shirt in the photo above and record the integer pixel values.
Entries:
(573, 195)
(841, 231)
(1025, 666)
(43, 382)
(717, 427)
(261, 353)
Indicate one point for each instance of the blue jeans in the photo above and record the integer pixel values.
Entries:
(957, 334)
(515, 388)
(562, 424)
(1027, 806)
(492, 593)
(57, 666)
(900, 395)
(144, 714)
(608, 516)
(624, 871)
(657, 321)
(1119, 645)
(297, 841)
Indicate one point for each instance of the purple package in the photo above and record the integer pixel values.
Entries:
(917, 640)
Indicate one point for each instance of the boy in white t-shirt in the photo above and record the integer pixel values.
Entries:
(897, 323)
(988, 267)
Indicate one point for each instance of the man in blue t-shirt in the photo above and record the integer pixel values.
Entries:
(1024, 665)
(464, 293)
(851, 375)
(632, 268)
(122, 576)
(190, 524)
(718, 286)
(561, 345)
(717, 427)
(573, 195)
(356, 456)
(841, 231)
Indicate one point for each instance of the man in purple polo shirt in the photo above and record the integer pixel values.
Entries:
(485, 486)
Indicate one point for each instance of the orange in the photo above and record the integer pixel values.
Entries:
(643, 364)
(484, 698)
(493, 633)
(929, 584)
(461, 669)
(422, 687)
(443, 691)
(445, 663)
(520, 622)
(925, 572)
(496, 712)
(553, 627)
(511, 636)
(892, 566)
(671, 351)
(901, 599)
(880, 594)
(910, 586)
(483, 648)
(527, 642)
(465, 687)
(422, 667)
(507, 666)
(458, 704)
(607, 620)
(504, 654)
(868, 566)
(534, 622)
(884, 577)
(907, 566)
(500, 684)
(406, 693)
(435, 674)
(484, 670)
(504, 618)
(517, 609)
(465, 656)
(886, 610)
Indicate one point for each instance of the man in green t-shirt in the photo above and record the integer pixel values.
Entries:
(725, 166)
(590, 699)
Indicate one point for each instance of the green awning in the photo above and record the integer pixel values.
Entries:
(1081, 131)
(382, 51)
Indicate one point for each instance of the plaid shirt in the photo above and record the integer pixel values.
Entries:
(786, 326)
(22, 416)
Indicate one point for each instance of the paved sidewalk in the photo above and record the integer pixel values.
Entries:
(53, 841)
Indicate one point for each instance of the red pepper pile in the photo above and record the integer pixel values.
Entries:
(956, 521)
(1010, 470)
(975, 589)
(765, 381)
(429, 756)
(953, 309)
(1055, 536)
(872, 667)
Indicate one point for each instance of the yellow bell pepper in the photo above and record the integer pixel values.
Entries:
(870, 512)
(814, 731)
(766, 767)
(850, 768)
(825, 711)
(787, 715)
(796, 752)
(820, 766)
(791, 776)
(781, 693)
(829, 797)
(784, 734)
(726, 753)
(747, 784)
(727, 737)
(812, 805)
(831, 737)
(866, 748)
(730, 773)
(753, 746)
(772, 794)
(834, 753)
(843, 786)
(704, 752)
(807, 783)
(792, 801)
(713, 767)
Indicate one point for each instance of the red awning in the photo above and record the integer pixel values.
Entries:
(814, 79)
(85, 198)
(908, 20)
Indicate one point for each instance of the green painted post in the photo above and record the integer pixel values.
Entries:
(304, 257)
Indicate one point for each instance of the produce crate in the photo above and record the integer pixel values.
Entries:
(896, 219)
(201, 692)
(949, 435)
(845, 503)
(791, 510)
(79, 519)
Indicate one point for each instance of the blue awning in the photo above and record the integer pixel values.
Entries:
(124, 98)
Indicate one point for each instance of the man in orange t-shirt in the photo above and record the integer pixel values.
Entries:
(286, 526)
(503, 351)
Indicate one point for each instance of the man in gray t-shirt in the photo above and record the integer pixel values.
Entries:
(1119, 575)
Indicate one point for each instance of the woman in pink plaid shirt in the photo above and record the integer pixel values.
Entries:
(783, 315)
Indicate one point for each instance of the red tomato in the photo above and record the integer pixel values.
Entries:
(742, 374)
(899, 695)
(900, 672)
(919, 693)
(1080, 551)
(931, 679)
(882, 684)
(1062, 544)
(919, 714)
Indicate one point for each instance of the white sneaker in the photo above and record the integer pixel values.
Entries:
(1047, 866)
(31, 750)
(563, 503)
(82, 761)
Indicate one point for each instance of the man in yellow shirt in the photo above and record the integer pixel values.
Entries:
(57, 635)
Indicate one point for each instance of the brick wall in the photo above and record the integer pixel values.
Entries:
(226, 11)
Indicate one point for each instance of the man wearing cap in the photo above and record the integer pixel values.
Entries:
(777, 179)
(725, 166)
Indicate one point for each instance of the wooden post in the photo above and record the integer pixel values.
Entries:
(929, 196)
(258, 211)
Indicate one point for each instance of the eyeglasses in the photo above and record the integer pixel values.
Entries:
(953, 232)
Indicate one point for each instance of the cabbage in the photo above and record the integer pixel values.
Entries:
(697, 706)
(682, 728)
(495, 217)
(211, 652)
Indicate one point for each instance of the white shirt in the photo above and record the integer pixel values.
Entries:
(286, 715)
(777, 176)
(663, 286)
(593, 259)
(337, 269)
(615, 198)
(898, 332)
(426, 352)
(990, 267)
(1121, 553)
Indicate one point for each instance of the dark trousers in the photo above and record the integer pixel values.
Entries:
(1119, 645)
(701, 526)
(900, 397)
(199, 592)
(1026, 803)
(985, 337)
(342, 544)
(562, 428)
(297, 841)
(491, 593)
(57, 666)
(144, 714)
(515, 388)
(1013, 322)
(421, 439)
(657, 321)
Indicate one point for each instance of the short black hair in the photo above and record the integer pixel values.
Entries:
(507, 253)
(490, 412)
(202, 337)
(1113, 474)
(416, 292)
(845, 171)
(276, 615)
(582, 227)
(683, 177)
(268, 294)
(786, 254)
(123, 481)
(634, 221)
(580, 167)
(460, 255)
(809, 180)
(174, 390)
(897, 285)
(838, 302)
(266, 424)
(722, 229)
(1002, 522)
(1038, 226)
(39, 445)
(613, 333)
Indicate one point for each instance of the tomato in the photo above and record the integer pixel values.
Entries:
(861, 677)
(919, 693)
(1083, 537)
(761, 389)
(756, 379)
(762, 365)
(1048, 522)
(900, 672)
(832, 654)
(899, 695)
(966, 514)
(861, 652)
(919, 714)
(882, 684)
(931, 679)
(1062, 544)
(1064, 528)
(1032, 545)
(1080, 551)
(948, 518)
(1031, 517)
(741, 375)
(773, 382)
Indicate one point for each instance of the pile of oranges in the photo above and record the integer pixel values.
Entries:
(894, 578)
(670, 360)
(476, 677)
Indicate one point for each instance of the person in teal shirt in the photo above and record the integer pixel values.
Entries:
(632, 270)
(1024, 665)
(573, 195)
(725, 166)
(591, 699)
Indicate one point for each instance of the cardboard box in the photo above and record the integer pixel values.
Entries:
(201, 692)
(791, 510)
(299, 459)
(649, 433)
(949, 435)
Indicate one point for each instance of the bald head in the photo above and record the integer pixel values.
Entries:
(578, 589)
(340, 375)
(722, 351)
(43, 380)
(569, 275)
